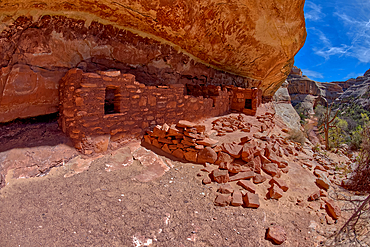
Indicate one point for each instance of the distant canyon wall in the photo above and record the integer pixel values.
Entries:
(241, 43)
(303, 89)
(309, 93)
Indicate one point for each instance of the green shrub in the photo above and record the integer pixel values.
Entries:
(360, 179)
(349, 124)
(337, 135)
(297, 136)
(356, 138)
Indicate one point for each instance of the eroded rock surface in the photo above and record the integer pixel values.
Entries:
(243, 43)
(357, 93)
(309, 92)
(284, 108)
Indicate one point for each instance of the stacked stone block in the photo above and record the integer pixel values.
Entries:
(240, 95)
(138, 107)
(249, 163)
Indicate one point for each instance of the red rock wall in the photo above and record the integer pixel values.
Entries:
(140, 107)
(256, 39)
(42, 50)
(28, 91)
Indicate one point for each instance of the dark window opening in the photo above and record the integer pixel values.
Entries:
(201, 90)
(111, 103)
(248, 104)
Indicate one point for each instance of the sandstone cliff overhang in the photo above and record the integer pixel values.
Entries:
(241, 43)
(255, 39)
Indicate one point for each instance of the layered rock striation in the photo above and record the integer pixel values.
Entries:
(241, 43)
(308, 93)
(358, 93)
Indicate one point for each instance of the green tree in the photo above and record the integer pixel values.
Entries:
(337, 134)
(325, 120)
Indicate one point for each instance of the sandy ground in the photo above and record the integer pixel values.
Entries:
(94, 207)
(99, 208)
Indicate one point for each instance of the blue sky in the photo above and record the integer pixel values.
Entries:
(338, 40)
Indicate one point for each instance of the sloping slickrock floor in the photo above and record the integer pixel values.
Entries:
(99, 208)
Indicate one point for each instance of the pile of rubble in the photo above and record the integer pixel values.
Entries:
(229, 124)
(243, 168)
(228, 162)
(267, 121)
(185, 140)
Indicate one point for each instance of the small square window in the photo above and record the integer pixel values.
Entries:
(248, 104)
(111, 103)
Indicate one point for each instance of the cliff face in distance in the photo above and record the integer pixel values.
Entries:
(309, 92)
(357, 93)
(300, 86)
(242, 43)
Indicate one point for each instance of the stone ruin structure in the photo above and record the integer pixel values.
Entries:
(95, 107)
(189, 59)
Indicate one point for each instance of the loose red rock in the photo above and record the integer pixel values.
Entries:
(275, 192)
(222, 200)
(207, 180)
(207, 142)
(322, 184)
(220, 176)
(191, 156)
(270, 168)
(281, 183)
(237, 198)
(276, 234)
(248, 185)
(185, 124)
(165, 140)
(207, 155)
(314, 196)
(255, 164)
(178, 153)
(172, 131)
(200, 128)
(166, 149)
(264, 159)
(225, 189)
(245, 139)
(233, 149)
(248, 151)
(156, 144)
(207, 168)
(323, 193)
(251, 200)
(242, 175)
(224, 166)
(158, 132)
(234, 168)
(258, 179)
(147, 139)
(332, 208)
(223, 157)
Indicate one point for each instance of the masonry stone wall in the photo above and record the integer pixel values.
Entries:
(137, 107)
(246, 100)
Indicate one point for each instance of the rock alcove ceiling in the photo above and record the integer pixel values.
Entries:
(242, 43)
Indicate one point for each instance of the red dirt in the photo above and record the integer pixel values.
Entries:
(85, 205)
